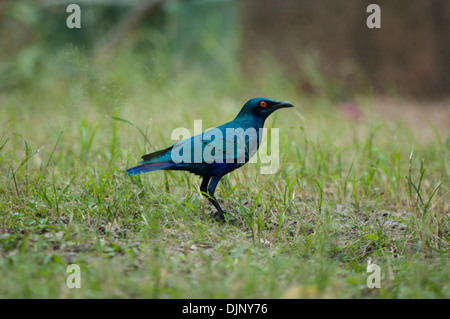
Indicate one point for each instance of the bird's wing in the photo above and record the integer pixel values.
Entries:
(220, 145)
(189, 150)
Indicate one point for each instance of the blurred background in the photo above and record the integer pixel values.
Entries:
(364, 165)
(235, 49)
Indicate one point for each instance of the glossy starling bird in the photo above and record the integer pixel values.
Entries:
(217, 152)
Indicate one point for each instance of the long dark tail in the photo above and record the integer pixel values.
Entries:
(153, 162)
(144, 168)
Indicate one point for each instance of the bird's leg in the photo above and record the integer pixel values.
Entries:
(204, 185)
(209, 190)
(210, 195)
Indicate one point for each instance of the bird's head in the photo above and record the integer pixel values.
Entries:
(261, 108)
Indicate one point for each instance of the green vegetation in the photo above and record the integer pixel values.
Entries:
(348, 191)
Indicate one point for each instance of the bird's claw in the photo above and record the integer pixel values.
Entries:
(223, 216)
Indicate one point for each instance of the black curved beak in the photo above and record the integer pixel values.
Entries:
(282, 105)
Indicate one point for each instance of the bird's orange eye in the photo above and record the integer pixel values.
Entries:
(263, 103)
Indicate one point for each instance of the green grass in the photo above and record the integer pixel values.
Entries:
(347, 192)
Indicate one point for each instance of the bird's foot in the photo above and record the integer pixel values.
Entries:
(223, 216)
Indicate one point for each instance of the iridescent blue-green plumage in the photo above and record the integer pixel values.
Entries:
(212, 157)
